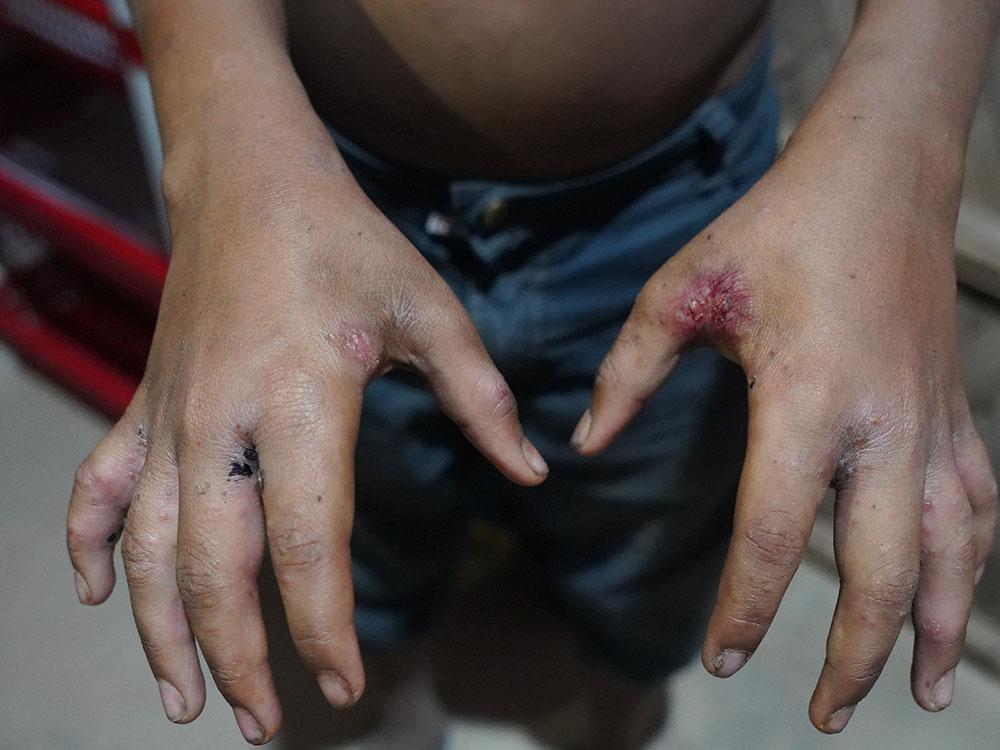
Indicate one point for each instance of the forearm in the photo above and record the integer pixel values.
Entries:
(223, 83)
(907, 85)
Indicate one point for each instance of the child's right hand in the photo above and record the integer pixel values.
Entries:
(288, 292)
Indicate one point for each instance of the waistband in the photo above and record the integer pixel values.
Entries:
(486, 206)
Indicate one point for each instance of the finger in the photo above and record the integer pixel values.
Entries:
(149, 554)
(780, 491)
(673, 312)
(473, 393)
(102, 491)
(944, 595)
(308, 503)
(877, 540)
(220, 544)
(973, 462)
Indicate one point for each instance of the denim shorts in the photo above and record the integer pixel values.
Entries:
(630, 543)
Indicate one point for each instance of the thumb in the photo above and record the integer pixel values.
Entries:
(472, 392)
(675, 311)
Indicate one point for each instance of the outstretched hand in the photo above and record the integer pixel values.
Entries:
(837, 298)
(241, 437)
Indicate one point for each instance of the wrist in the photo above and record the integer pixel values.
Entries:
(899, 103)
(248, 142)
(888, 169)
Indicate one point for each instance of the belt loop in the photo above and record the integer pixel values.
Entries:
(715, 122)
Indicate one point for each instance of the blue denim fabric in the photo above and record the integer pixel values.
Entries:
(630, 542)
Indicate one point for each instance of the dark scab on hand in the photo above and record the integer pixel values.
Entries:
(113, 536)
(240, 469)
(246, 467)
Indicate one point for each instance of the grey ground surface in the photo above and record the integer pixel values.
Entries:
(74, 677)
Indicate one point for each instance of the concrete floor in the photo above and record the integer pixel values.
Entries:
(74, 677)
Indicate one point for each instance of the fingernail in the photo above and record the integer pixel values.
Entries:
(582, 431)
(251, 730)
(534, 458)
(173, 703)
(728, 662)
(82, 589)
(335, 689)
(944, 690)
(979, 572)
(838, 720)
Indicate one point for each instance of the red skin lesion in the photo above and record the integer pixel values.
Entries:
(353, 344)
(358, 346)
(714, 308)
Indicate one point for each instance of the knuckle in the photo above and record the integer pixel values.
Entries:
(500, 399)
(984, 544)
(313, 640)
(754, 614)
(141, 557)
(193, 405)
(230, 677)
(609, 373)
(95, 477)
(79, 538)
(298, 548)
(292, 397)
(965, 553)
(157, 650)
(891, 587)
(952, 546)
(774, 539)
(944, 636)
(990, 491)
(200, 585)
(859, 674)
(990, 516)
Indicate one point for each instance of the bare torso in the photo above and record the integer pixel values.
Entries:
(523, 88)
